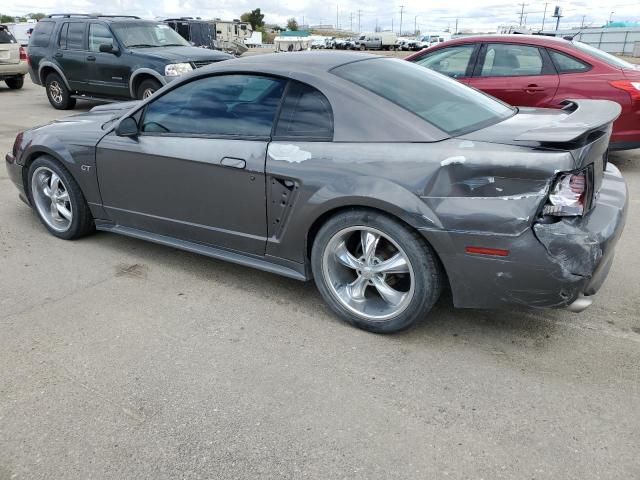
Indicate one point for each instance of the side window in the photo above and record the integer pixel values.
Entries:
(305, 113)
(567, 64)
(450, 61)
(75, 36)
(62, 40)
(42, 34)
(506, 60)
(241, 105)
(99, 34)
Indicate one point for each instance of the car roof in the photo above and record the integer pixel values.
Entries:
(296, 60)
(514, 38)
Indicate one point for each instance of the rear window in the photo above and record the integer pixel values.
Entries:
(604, 56)
(5, 36)
(445, 103)
(42, 34)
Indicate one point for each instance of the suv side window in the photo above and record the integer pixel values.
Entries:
(42, 33)
(566, 63)
(305, 113)
(452, 61)
(99, 34)
(507, 60)
(72, 36)
(224, 105)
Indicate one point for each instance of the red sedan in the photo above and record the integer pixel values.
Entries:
(540, 71)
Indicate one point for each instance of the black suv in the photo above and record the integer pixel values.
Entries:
(108, 57)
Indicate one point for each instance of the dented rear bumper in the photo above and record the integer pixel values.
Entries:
(584, 246)
(550, 265)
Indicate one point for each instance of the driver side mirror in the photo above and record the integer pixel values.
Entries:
(128, 127)
(107, 48)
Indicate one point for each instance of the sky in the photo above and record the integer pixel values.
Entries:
(433, 15)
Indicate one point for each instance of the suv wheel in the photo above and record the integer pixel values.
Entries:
(363, 48)
(15, 83)
(374, 272)
(57, 93)
(147, 88)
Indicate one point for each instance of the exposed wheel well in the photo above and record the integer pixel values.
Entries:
(317, 224)
(138, 79)
(45, 72)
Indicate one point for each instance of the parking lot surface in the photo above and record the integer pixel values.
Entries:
(125, 359)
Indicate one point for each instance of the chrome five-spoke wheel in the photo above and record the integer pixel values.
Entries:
(368, 273)
(55, 90)
(51, 198)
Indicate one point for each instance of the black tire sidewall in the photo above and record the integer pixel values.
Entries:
(146, 84)
(15, 83)
(67, 102)
(426, 269)
(82, 222)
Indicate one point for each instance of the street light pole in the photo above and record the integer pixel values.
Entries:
(415, 24)
(401, 9)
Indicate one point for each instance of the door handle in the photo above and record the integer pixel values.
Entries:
(534, 88)
(233, 162)
(91, 58)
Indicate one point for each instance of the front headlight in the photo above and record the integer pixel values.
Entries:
(177, 69)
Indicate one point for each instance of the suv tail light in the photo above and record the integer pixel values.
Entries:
(567, 197)
(632, 88)
(23, 54)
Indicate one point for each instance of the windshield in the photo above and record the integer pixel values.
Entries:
(147, 34)
(450, 106)
(604, 56)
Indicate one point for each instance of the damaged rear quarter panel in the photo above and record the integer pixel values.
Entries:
(451, 185)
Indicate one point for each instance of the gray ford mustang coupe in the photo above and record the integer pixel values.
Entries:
(381, 180)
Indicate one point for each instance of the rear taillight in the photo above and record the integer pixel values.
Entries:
(23, 53)
(568, 195)
(632, 88)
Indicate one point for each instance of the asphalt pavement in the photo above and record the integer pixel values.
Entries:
(123, 359)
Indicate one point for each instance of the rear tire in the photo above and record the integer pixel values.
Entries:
(58, 93)
(15, 83)
(147, 88)
(374, 272)
(58, 200)
(362, 48)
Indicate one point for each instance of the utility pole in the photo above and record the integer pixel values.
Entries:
(392, 25)
(351, 22)
(415, 25)
(456, 31)
(544, 16)
(582, 24)
(337, 25)
(611, 17)
(522, 11)
(359, 12)
(401, 9)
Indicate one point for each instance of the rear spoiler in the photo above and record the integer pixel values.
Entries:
(583, 116)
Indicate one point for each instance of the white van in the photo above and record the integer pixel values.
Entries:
(377, 41)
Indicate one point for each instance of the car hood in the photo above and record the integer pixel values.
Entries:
(182, 54)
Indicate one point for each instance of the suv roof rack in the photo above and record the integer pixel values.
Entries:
(88, 15)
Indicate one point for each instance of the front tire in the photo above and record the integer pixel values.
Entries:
(15, 83)
(147, 88)
(374, 272)
(57, 93)
(58, 200)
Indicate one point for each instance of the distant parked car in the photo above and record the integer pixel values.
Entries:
(109, 57)
(540, 71)
(13, 60)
